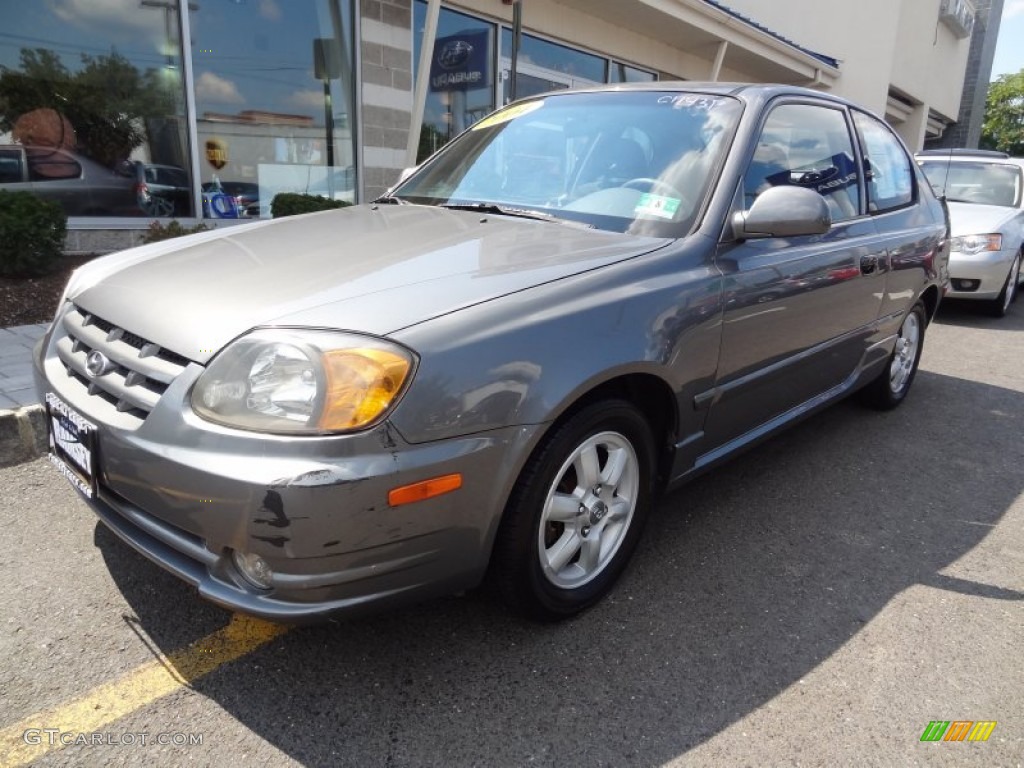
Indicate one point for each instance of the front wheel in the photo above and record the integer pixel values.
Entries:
(576, 513)
(1001, 305)
(891, 386)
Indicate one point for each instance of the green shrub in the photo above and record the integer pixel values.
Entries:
(173, 228)
(32, 234)
(291, 204)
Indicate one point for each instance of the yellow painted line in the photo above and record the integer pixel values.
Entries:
(134, 690)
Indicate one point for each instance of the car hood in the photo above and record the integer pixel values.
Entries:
(368, 269)
(975, 219)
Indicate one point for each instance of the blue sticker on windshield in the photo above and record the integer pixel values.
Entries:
(657, 206)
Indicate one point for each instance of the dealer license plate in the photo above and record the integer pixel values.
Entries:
(72, 444)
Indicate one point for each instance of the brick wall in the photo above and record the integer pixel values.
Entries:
(387, 87)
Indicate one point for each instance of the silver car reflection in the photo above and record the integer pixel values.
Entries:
(586, 299)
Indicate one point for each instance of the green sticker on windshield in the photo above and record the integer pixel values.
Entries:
(656, 205)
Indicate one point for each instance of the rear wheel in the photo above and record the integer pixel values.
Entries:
(891, 386)
(1001, 304)
(576, 513)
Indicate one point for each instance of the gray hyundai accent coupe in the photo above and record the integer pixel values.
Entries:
(587, 298)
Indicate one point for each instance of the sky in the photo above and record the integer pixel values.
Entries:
(1009, 57)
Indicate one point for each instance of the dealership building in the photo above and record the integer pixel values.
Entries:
(129, 110)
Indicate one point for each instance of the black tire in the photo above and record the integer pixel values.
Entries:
(1000, 305)
(892, 384)
(611, 433)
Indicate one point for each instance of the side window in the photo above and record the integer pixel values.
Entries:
(808, 146)
(10, 166)
(173, 177)
(51, 165)
(889, 171)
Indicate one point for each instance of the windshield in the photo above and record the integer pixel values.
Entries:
(639, 162)
(975, 182)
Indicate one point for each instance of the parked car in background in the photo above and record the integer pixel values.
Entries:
(586, 298)
(82, 187)
(985, 193)
(163, 190)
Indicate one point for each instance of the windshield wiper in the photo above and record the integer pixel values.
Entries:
(505, 210)
(390, 200)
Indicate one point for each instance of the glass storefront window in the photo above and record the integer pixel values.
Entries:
(92, 103)
(461, 89)
(623, 73)
(275, 102)
(545, 66)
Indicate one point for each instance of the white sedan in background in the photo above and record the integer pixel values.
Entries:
(985, 192)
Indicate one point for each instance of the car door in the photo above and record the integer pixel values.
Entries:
(909, 230)
(797, 311)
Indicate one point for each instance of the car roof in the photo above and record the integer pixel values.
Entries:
(753, 92)
(961, 155)
(957, 151)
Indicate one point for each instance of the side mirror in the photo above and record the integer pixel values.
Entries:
(783, 211)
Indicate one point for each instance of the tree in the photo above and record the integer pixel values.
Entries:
(106, 101)
(1003, 128)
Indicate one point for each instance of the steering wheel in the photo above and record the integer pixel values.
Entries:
(647, 184)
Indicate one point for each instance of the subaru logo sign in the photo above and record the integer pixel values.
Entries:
(97, 364)
(454, 54)
(460, 61)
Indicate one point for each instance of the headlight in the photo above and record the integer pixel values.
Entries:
(972, 244)
(302, 382)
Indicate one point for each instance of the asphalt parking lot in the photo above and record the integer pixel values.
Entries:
(817, 602)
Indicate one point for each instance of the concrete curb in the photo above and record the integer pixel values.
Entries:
(22, 435)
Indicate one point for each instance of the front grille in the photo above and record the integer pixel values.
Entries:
(140, 373)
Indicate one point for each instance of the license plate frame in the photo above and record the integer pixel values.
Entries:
(72, 440)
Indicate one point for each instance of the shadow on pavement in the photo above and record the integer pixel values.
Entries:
(973, 314)
(747, 579)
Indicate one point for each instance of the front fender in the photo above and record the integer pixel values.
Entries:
(526, 358)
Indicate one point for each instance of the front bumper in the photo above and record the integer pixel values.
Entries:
(186, 493)
(989, 269)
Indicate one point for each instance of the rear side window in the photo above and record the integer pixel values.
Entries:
(807, 146)
(890, 173)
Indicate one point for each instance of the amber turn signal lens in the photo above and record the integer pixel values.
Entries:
(361, 385)
(426, 489)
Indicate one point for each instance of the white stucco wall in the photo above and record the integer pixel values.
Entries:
(930, 61)
(881, 44)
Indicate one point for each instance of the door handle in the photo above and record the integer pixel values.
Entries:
(868, 264)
